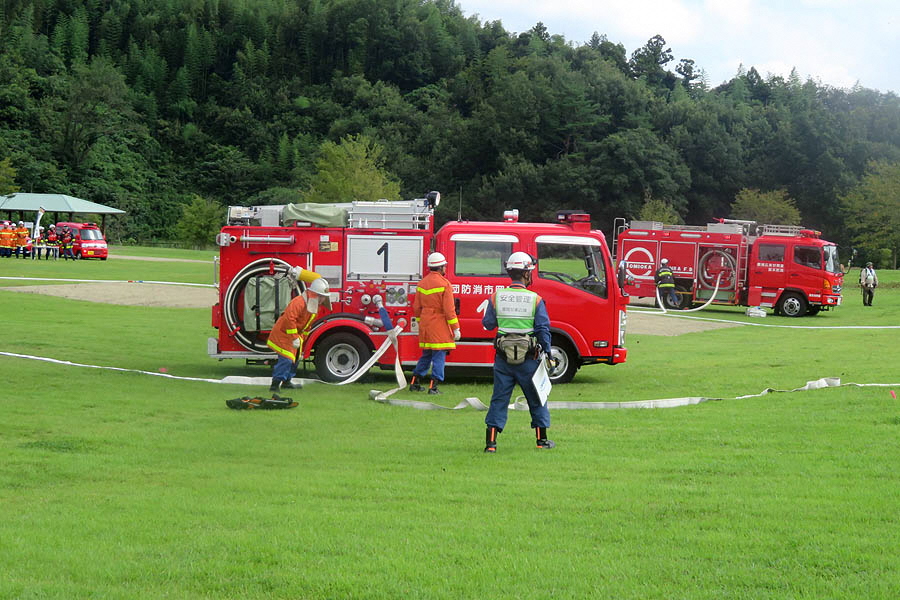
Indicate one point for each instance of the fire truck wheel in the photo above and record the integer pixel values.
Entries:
(339, 356)
(567, 360)
(792, 305)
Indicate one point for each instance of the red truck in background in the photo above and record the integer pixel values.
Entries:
(783, 267)
(88, 240)
(369, 249)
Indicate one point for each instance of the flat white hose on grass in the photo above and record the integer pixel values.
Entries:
(471, 402)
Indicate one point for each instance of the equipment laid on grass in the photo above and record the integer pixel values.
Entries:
(374, 253)
(276, 402)
(738, 263)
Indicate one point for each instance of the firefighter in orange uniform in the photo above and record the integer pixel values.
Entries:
(292, 327)
(21, 239)
(7, 241)
(438, 323)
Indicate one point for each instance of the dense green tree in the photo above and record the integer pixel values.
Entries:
(872, 210)
(352, 169)
(7, 177)
(775, 207)
(200, 221)
(144, 104)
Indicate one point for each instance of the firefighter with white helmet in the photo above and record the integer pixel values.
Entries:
(523, 335)
(435, 311)
(292, 327)
(665, 282)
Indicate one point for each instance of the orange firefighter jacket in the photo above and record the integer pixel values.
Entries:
(7, 236)
(434, 309)
(22, 236)
(293, 323)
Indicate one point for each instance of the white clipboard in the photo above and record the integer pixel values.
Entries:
(541, 381)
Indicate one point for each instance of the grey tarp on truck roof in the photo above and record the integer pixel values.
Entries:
(324, 215)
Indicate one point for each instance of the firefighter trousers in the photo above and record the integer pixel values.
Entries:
(506, 376)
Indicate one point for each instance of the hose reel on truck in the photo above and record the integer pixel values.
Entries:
(274, 268)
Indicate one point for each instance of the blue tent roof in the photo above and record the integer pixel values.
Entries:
(55, 203)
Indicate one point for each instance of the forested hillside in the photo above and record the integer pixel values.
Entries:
(146, 104)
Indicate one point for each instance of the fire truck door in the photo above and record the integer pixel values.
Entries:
(805, 272)
(767, 271)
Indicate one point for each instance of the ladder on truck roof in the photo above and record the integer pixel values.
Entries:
(786, 230)
(362, 214)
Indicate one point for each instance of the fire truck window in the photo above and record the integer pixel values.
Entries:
(771, 252)
(91, 234)
(832, 262)
(573, 264)
(482, 259)
(808, 256)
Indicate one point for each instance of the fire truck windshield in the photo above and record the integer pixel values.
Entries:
(577, 264)
(832, 263)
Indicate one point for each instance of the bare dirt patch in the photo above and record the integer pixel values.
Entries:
(659, 324)
(131, 294)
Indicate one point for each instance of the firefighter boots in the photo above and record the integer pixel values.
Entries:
(433, 388)
(289, 385)
(542, 442)
(490, 440)
(414, 385)
(276, 386)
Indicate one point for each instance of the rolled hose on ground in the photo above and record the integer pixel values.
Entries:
(230, 300)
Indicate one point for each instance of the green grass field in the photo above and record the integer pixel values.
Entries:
(123, 485)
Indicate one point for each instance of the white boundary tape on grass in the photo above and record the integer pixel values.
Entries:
(212, 285)
(472, 402)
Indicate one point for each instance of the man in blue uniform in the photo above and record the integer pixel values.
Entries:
(523, 332)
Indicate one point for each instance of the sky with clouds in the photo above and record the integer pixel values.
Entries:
(835, 42)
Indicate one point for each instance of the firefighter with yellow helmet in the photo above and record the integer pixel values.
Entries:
(292, 327)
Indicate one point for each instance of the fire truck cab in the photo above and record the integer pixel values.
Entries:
(783, 267)
(369, 249)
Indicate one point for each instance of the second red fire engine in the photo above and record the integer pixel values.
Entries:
(783, 267)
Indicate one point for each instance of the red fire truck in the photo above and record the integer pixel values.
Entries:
(369, 249)
(783, 267)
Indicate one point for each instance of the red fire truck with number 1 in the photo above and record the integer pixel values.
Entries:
(378, 249)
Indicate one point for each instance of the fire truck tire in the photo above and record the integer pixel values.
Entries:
(340, 355)
(684, 298)
(567, 358)
(792, 305)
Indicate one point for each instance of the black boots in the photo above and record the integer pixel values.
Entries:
(415, 386)
(542, 442)
(277, 384)
(490, 440)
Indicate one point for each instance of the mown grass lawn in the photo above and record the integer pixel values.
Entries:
(123, 485)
